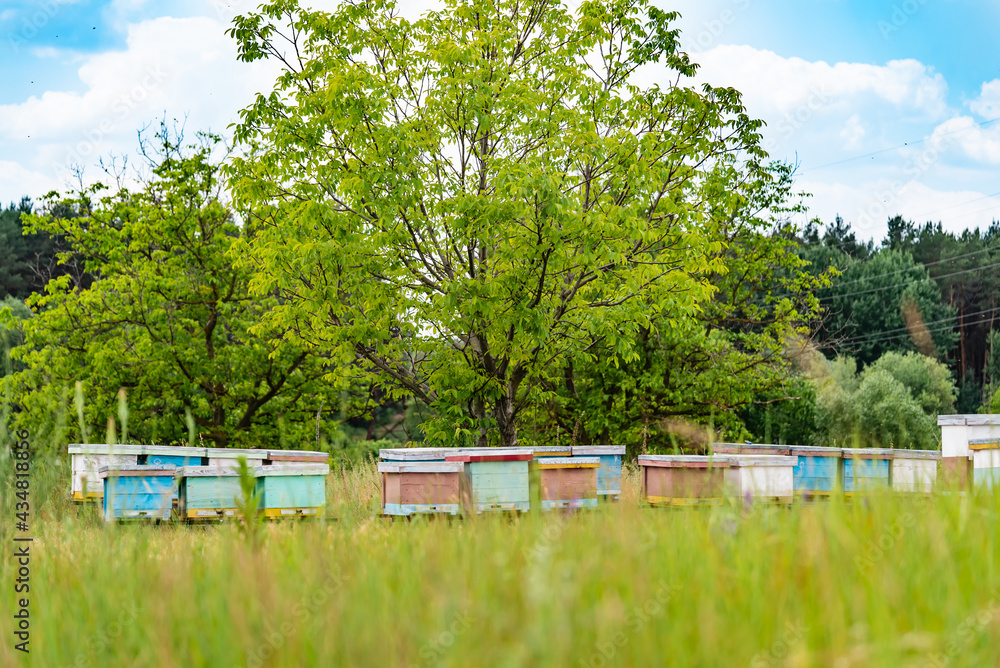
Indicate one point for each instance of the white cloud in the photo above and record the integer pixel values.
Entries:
(178, 67)
(782, 86)
(979, 142)
(987, 105)
(853, 133)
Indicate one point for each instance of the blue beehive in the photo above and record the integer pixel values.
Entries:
(207, 492)
(137, 492)
(819, 471)
(170, 455)
(866, 469)
(495, 479)
(293, 490)
(609, 476)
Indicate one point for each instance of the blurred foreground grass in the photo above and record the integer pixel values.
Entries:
(890, 581)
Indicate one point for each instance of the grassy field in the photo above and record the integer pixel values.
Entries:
(889, 581)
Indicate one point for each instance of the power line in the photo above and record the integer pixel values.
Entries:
(896, 285)
(896, 148)
(924, 264)
(863, 337)
(930, 329)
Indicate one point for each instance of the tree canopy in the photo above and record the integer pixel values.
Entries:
(469, 202)
(167, 318)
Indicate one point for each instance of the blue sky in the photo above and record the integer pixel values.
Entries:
(885, 106)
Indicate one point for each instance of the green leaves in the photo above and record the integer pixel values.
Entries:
(467, 202)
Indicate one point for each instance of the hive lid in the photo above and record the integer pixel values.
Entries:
(870, 453)
(951, 420)
(917, 454)
(205, 472)
(303, 469)
(763, 460)
(234, 453)
(686, 461)
(750, 448)
(815, 451)
(412, 454)
(598, 450)
(491, 455)
(278, 455)
(173, 451)
(104, 449)
(544, 449)
(138, 470)
(421, 467)
(570, 462)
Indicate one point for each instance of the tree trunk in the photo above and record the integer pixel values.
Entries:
(506, 421)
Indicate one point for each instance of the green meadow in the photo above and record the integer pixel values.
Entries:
(882, 581)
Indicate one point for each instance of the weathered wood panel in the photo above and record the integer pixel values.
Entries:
(866, 469)
(499, 482)
(137, 492)
(569, 485)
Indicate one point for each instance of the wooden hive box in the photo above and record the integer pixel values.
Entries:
(568, 482)
(609, 476)
(749, 449)
(545, 451)
(985, 461)
(228, 458)
(957, 458)
(683, 480)
(867, 469)
(171, 455)
(292, 489)
(86, 462)
(421, 487)
(138, 492)
(495, 480)
(413, 454)
(914, 470)
(761, 478)
(818, 470)
(207, 492)
(294, 458)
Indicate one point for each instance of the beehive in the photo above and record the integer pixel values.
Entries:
(568, 482)
(86, 462)
(293, 458)
(495, 480)
(545, 451)
(985, 461)
(413, 454)
(170, 455)
(915, 470)
(609, 476)
(421, 487)
(228, 458)
(683, 480)
(818, 471)
(749, 449)
(294, 489)
(207, 492)
(956, 456)
(761, 478)
(137, 492)
(866, 469)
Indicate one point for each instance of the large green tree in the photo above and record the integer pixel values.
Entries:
(167, 318)
(467, 201)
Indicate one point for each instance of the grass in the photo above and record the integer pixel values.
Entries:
(889, 581)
